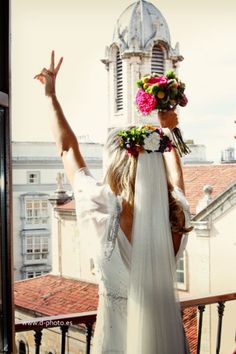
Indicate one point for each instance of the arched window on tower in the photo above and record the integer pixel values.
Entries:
(157, 62)
(22, 347)
(119, 82)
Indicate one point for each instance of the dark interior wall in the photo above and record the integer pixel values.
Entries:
(4, 46)
(6, 261)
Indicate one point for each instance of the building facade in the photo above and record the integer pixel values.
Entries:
(210, 260)
(36, 167)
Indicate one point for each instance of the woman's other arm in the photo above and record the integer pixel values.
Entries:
(174, 169)
(172, 159)
(66, 141)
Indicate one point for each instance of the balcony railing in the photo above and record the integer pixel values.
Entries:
(201, 304)
(88, 319)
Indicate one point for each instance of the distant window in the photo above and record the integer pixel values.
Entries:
(33, 177)
(92, 266)
(22, 347)
(33, 274)
(36, 247)
(119, 82)
(29, 275)
(36, 211)
(181, 272)
(157, 62)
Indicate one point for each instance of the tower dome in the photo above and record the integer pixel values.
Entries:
(139, 26)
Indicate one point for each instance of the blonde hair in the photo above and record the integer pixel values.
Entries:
(121, 174)
(121, 169)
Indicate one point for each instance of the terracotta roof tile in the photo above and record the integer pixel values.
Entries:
(190, 326)
(52, 295)
(197, 176)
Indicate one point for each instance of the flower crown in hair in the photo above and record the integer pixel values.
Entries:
(161, 92)
(146, 138)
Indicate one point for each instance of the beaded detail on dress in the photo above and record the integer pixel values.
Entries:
(113, 226)
(116, 302)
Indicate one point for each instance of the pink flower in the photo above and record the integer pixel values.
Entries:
(146, 102)
(161, 80)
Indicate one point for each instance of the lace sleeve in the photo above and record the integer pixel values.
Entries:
(112, 226)
(179, 195)
(98, 214)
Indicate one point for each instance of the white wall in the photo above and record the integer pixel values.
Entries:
(68, 259)
(198, 266)
(223, 275)
(223, 252)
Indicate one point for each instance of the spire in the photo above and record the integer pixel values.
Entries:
(142, 22)
(139, 26)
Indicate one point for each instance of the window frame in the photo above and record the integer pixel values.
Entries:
(162, 48)
(182, 286)
(34, 272)
(36, 216)
(37, 181)
(42, 252)
(119, 78)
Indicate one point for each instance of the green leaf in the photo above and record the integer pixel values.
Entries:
(139, 83)
(170, 74)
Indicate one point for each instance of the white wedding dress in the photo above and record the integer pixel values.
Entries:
(98, 211)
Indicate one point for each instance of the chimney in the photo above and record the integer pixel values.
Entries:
(207, 189)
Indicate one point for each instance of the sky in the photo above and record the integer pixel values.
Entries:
(80, 30)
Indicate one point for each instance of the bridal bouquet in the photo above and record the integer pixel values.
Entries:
(162, 92)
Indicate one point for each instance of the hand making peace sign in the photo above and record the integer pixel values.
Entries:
(48, 76)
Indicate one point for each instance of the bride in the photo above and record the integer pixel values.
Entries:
(133, 225)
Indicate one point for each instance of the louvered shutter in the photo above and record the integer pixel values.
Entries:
(157, 63)
(119, 82)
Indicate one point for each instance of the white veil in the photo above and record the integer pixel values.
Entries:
(154, 324)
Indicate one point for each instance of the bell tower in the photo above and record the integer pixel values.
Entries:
(141, 44)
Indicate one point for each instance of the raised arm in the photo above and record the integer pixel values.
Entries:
(178, 205)
(66, 141)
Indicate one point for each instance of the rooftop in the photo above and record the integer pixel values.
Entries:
(51, 295)
(220, 177)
